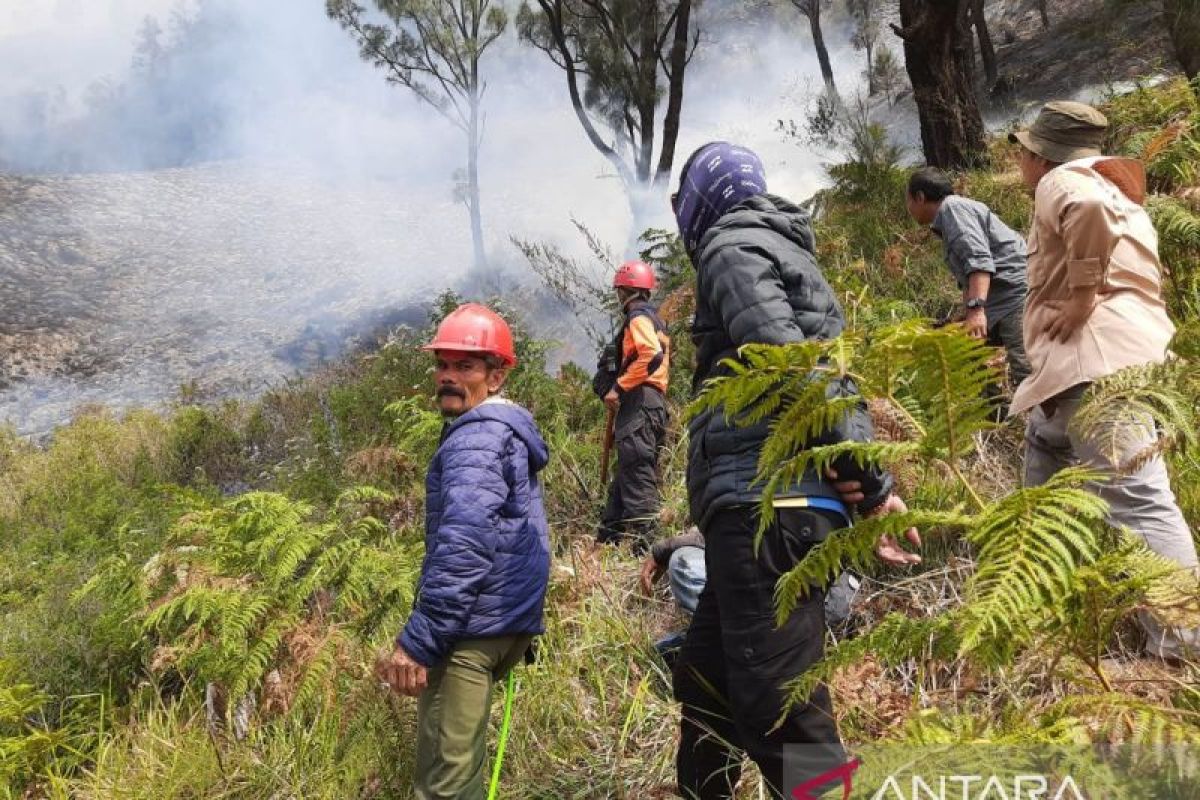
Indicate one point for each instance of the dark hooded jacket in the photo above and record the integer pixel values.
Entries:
(487, 545)
(757, 281)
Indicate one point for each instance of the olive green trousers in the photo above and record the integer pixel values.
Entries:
(452, 717)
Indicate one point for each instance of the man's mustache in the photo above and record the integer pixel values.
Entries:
(451, 391)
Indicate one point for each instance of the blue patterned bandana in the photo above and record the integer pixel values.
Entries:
(716, 178)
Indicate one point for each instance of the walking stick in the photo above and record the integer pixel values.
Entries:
(509, 691)
(610, 429)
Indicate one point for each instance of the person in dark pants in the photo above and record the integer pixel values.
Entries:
(986, 257)
(757, 281)
(636, 392)
(681, 559)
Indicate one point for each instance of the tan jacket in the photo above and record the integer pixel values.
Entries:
(1089, 229)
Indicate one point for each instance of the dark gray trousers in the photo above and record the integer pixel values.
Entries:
(634, 497)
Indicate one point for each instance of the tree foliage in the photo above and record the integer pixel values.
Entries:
(616, 55)
(434, 48)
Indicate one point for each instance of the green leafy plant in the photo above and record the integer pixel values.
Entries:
(28, 746)
(1044, 560)
(260, 586)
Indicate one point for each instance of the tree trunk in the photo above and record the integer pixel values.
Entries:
(1183, 20)
(647, 90)
(986, 50)
(553, 9)
(814, 21)
(1044, 13)
(872, 88)
(474, 134)
(678, 67)
(937, 55)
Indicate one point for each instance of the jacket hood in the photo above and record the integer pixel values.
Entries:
(515, 417)
(770, 212)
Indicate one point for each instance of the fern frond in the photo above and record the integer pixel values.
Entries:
(751, 391)
(802, 423)
(363, 496)
(950, 373)
(895, 640)
(318, 672)
(195, 607)
(1178, 228)
(778, 476)
(1120, 412)
(261, 655)
(1029, 545)
(853, 548)
(1127, 719)
(243, 615)
(1170, 590)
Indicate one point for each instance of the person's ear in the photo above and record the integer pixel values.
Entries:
(496, 379)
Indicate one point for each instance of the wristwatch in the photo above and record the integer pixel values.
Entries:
(975, 302)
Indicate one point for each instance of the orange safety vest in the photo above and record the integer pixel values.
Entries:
(645, 355)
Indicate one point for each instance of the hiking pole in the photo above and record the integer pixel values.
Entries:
(509, 691)
(610, 429)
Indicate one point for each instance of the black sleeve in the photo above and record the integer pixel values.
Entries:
(856, 426)
(662, 549)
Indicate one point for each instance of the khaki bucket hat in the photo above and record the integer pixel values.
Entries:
(1064, 131)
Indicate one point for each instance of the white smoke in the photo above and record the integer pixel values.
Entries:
(329, 174)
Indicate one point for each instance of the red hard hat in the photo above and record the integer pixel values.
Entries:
(472, 328)
(635, 275)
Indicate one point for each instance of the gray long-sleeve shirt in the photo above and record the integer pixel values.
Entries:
(976, 240)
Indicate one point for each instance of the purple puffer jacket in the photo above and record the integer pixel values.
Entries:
(487, 544)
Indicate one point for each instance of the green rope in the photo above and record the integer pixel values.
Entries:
(509, 691)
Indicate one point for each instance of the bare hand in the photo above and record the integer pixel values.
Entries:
(1072, 314)
(851, 491)
(651, 572)
(612, 399)
(401, 673)
(976, 323)
(889, 550)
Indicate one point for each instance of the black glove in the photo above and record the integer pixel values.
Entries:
(606, 371)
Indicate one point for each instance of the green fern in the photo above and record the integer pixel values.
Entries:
(262, 586)
(853, 548)
(1120, 410)
(894, 640)
(1028, 547)
(1048, 573)
(932, 379)
(1179, 248)
(1125, 719)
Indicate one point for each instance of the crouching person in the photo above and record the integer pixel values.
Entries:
(487, 557)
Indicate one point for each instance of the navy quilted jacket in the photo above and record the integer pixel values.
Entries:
(487, 544)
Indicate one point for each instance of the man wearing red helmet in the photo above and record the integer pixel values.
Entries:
(487, 556)
(635, 390)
